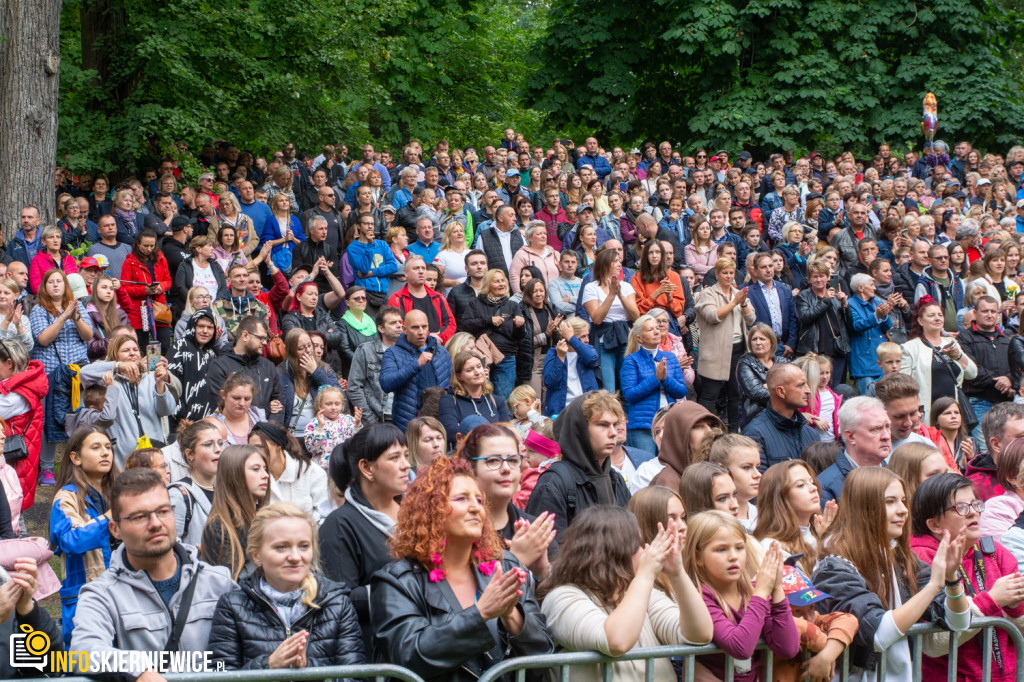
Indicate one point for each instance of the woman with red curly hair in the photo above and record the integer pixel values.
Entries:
(455, 603)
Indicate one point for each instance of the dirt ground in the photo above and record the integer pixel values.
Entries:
(36, 520)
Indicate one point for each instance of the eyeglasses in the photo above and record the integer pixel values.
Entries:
(702, 156)
(263, 338)
(162, 514)
(204, 298)
(211, 443)
(495, 461)
(357, 299)
(964, 508)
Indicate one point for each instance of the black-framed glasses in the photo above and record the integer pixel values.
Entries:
(964, 508)
(139, 518)
(495, 461)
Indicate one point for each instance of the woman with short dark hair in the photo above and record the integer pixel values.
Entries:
(372, 471)
(945, 505)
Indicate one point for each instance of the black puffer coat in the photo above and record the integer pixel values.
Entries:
(246, 630)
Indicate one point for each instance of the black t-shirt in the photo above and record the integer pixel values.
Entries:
(427, 308)
(332, 221)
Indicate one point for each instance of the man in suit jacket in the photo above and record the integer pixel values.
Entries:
(773, 305)
(501, 242)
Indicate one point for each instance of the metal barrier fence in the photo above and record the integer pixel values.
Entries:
(563, 662)
(377, 672)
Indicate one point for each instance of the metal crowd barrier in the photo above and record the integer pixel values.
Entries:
(377, 672)
(563, 662)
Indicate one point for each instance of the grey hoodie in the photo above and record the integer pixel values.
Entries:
(122, 611)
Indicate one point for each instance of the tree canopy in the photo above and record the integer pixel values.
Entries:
(759, 74)
(780, 74)
(136, 76)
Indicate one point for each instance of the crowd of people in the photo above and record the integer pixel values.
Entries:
(455, 407)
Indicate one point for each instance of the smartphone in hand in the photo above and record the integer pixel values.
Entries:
(152, 355)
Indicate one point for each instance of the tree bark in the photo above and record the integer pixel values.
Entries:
(29, 77)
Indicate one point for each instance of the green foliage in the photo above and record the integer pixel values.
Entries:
(771, 74)
(262, 72)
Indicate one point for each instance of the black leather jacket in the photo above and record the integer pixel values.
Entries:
(1016, 355)
(809, 309)
(752, 376)
(246, 629)
(419, 625)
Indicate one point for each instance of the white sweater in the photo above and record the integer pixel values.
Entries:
(306, 490)
(577, 622)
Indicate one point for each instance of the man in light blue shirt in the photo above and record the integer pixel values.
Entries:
(425, 245)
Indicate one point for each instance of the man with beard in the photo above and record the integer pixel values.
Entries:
(247, 356)
(135, 604)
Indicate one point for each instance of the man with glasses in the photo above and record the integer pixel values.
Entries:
(845, 241)
(368, 159)
(942, 284)
(372, 262)
(251, 337)
(154, 584)
(327, 207)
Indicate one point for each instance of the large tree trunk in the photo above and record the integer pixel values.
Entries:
(29, 61)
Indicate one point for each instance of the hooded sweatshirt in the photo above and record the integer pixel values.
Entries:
(190, 363)
(675, 442)
(592, 483)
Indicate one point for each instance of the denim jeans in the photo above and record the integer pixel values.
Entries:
(640, 439)
(611, 365)
(981, 408)
(862, 384)
(47, 454)
(503, 376)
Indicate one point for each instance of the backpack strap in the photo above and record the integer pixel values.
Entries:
(570, 491)
(183, 489)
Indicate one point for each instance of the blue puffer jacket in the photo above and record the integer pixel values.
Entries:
(556, 375)
(641, 388)
(83, 543)
(866, 334)
(401, 374)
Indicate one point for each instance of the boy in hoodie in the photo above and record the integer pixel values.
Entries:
(587, 431)
(687, 426)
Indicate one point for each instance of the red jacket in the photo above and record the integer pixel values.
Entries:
(134, 271)
(32, 385)
(969, 655)
(402, 300)
(273, 298)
